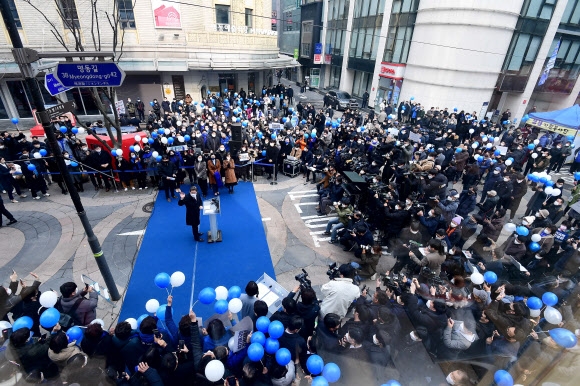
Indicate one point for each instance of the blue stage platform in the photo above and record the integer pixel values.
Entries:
(168, 246)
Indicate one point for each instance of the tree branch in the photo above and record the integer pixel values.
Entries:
(56, 34)
(108, 122)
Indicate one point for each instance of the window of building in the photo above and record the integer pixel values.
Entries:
(335, 72)
(306, 39)
(274, 21)
(401, 26)
(69, 15)
(222, 14)
(126, 14)
(542, 9)
(249, 18)
(361, 83)
(12, 6)
(288, 18)
(3, 111)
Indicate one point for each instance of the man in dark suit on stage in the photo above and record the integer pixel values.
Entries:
(193, 205)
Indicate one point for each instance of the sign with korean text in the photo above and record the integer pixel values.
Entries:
(166, 14)
(89, 74)
(318, 48)
(551, 126)
(317, 59)
(120, 106)
(392, 70)
(53, 86)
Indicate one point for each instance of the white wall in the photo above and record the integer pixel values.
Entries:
(457, 51)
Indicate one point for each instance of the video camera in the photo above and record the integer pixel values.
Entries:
(395, 283)
(333, 272)
(432, 278)
(303, 279)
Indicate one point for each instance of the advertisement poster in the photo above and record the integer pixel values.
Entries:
(166, 14)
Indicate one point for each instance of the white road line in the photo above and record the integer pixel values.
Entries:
(317, 239)
(133, 233)
(266, 219)
(303, 192)
(293, 197)
(297, 206)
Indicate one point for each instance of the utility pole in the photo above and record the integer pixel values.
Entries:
(25, 57)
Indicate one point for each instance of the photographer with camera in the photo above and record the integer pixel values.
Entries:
(359, 238)
(339, 293)
(331, 195)
(433, 256)
(344, 212)
(308, 308)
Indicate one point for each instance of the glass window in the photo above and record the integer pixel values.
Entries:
(68, 13)
(353, 40)
(19, 98)
(381, 9)
(563, 49)
(360, 43)
(222, 14)
(365, 7)
(533, 48)
(3, 111)
(375, 46)
(14, 11)
(546, 13)
(572, 52)
(126, 14)
(518, 53)
(534, 8)
(398, 49)
(249, 18)
(368, 43)
(406, 7)
(575, 19)
(568, 11)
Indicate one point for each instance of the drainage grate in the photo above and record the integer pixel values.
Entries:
(148, 208)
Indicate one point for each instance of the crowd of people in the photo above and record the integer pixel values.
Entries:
(438, 186)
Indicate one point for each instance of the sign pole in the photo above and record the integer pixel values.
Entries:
(24, 59)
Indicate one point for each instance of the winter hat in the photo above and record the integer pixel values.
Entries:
(453, 193)
(544, 213)
(528, 220)
(457, 220)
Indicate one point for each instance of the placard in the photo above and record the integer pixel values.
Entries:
(414, 137)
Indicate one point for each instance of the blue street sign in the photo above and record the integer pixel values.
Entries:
(53, 86)
(89, 74)
(318, 48)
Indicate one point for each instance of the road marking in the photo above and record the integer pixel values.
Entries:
(133, 233)
(299, 209)
(318, 222)
(293, 197)
(302, 192)
(266, 219)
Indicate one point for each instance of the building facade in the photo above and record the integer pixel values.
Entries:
(478, 55)
(170, 49)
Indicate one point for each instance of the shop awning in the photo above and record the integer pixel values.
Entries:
(565, 121)
(218, 64)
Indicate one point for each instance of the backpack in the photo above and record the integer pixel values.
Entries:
(70, 318)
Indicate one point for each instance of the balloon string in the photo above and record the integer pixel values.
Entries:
(168, 291)
(171, 290)
(193, 305)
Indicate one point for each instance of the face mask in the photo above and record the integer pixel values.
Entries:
(1, 147)
(67, 162)
(222, 148)
(429, 176)
(516, 241)
(506, 179)
(559, 185)
(199, 158)
(453, 225)
(376, 341)
(449, 379)
(213, 135)
(198, 135)
(496, 173)
(428, 304)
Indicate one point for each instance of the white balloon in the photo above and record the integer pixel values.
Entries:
(178, 123)
(549, 190)
(177, 278)
(552, 315)
(549, 177)
(474, 145)
(81, 130)
(4, 325)
(534, 155)
(231, 342)
(48, 299)
(235, 305)
(221, 293)
(535, 313)
(471, 131)
(137, 148)
(556, 192)
(214, 371)
(180, 139)
(536, 141)
(137, 138)
(100, 321)
(37, 155)
(145, 140)
(164, 140)
(132, 322)
(510, 227)
(155, 154)
(508, 162)
(167, 131)
(477, 278)
(119, 152)
(488, 146)
(152, 305)
(536, 238)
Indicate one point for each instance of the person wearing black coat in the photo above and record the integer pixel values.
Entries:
(193, 205)
(467, 201)
(520, 187)
(504, 190)
(167, 172)
(102, 162)
(272, 158)
(491, 180)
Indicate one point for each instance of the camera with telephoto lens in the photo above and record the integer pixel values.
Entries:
(395, 283)
(433, 279)
(333, 272)
(303, 279)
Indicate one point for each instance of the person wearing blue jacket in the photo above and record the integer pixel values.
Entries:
(490, 181)
(467, 201)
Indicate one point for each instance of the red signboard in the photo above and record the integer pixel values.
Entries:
(392, 70)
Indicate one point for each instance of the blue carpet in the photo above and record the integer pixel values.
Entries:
(168, 246)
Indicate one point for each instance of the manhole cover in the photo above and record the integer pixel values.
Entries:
(148, 208)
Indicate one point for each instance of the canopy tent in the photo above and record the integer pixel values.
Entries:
(565, 122)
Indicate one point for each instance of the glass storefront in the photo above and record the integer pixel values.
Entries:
(389, 90)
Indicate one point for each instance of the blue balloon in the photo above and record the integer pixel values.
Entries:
(319, 381)
(43, 152)
(525, 118)
(206, 295)
(276, 329)
(412, 98)
(75, 130)
(141, 319)
(271, 345)
(154, 134)
(262, 324)
(158, 158)
(201, 105)
(151, 103)
(31, 167)
(49, 318)
(161, 131)
(550, 299)
(238, 119)
(543, 180)
(221, 306)
(510, 159)
(74, 333)
(170, 140)
(162, 280)
(63, 129)
(263, 153)
(187, 138)
(531, 146)
(392, 382)
(549, 183)
(131, 148)
(577, 176)
(306, 136)
(225, 90)
(533, 178)
(534, 247)
(160, 313)
(26, 321)
(534, 303)
(497, 152)
(503, 378)
(273, 136)
(213, 109)
(563, 337)
(480, 158)
(14, 120)
(315, 364)
(331, 372)
(283, 356)
(455, 109)
(570, 137)
(114, 153)
(522, 231)
(255, 352)
(74, 164)
(258, 337)
(150, 141)
(313, 135)
(234, 292)
(458, 150)
(490, 277)
(244, 124)
(284, 120)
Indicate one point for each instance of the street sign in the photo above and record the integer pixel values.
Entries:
(63, 108)
(89, 74)
(53, 86)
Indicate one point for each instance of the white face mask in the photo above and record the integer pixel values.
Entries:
(376, 341)
(453, 225)
(495, 172)
(449, 379)
(428, 304)
(506, 179)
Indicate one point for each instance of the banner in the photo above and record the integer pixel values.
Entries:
(166, 14)
(550, 64)
(551, 126)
